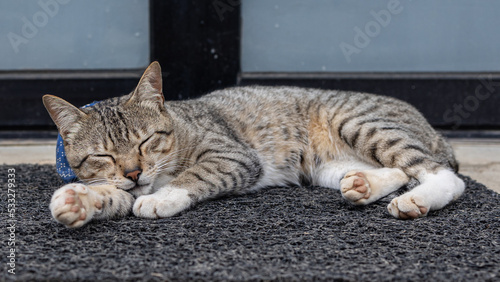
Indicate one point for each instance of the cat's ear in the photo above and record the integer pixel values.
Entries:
(64, 115)
(149, 91)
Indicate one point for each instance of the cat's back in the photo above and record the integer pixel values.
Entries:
(254, 108)
(306, 103)
(299, 114)
(268, 107)
(267, 99)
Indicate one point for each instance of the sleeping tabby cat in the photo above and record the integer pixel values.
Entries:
(139, 153)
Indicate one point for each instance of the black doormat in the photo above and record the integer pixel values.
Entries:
(292, 233)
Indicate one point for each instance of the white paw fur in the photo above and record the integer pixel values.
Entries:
(164, 203)
(71, 205)
(435, 192)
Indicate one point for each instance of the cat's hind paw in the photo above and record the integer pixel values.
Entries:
(164, 203)
(70, 205)
(355, 187)
(408, 206)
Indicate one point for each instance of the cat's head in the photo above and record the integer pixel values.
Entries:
(126, 141)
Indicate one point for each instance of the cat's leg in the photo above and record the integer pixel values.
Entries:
(435, 191)
(76, 204)
(362, 187)
(361, 183)
(167, 201)
(209, 178)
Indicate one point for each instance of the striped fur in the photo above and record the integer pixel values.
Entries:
(240, 139)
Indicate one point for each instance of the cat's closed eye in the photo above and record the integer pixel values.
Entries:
(156, 143)
(94, 159)
(100, 161)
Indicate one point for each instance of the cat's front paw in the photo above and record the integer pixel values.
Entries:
(164, 203)
(355, 187)
(408, 206)
(71, 205)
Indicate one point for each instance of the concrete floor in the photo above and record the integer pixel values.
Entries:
(479, 158)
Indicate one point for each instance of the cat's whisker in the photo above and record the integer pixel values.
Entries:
(170, 168)
(170, 163)
(169, 160)
(164, 165)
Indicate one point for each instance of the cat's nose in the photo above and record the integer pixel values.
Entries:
(133, 174)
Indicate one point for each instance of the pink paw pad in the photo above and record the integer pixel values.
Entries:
(67, 205)
(355, 187)
(359, 185)
(407, 208)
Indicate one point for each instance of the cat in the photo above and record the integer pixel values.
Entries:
(139, 153)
